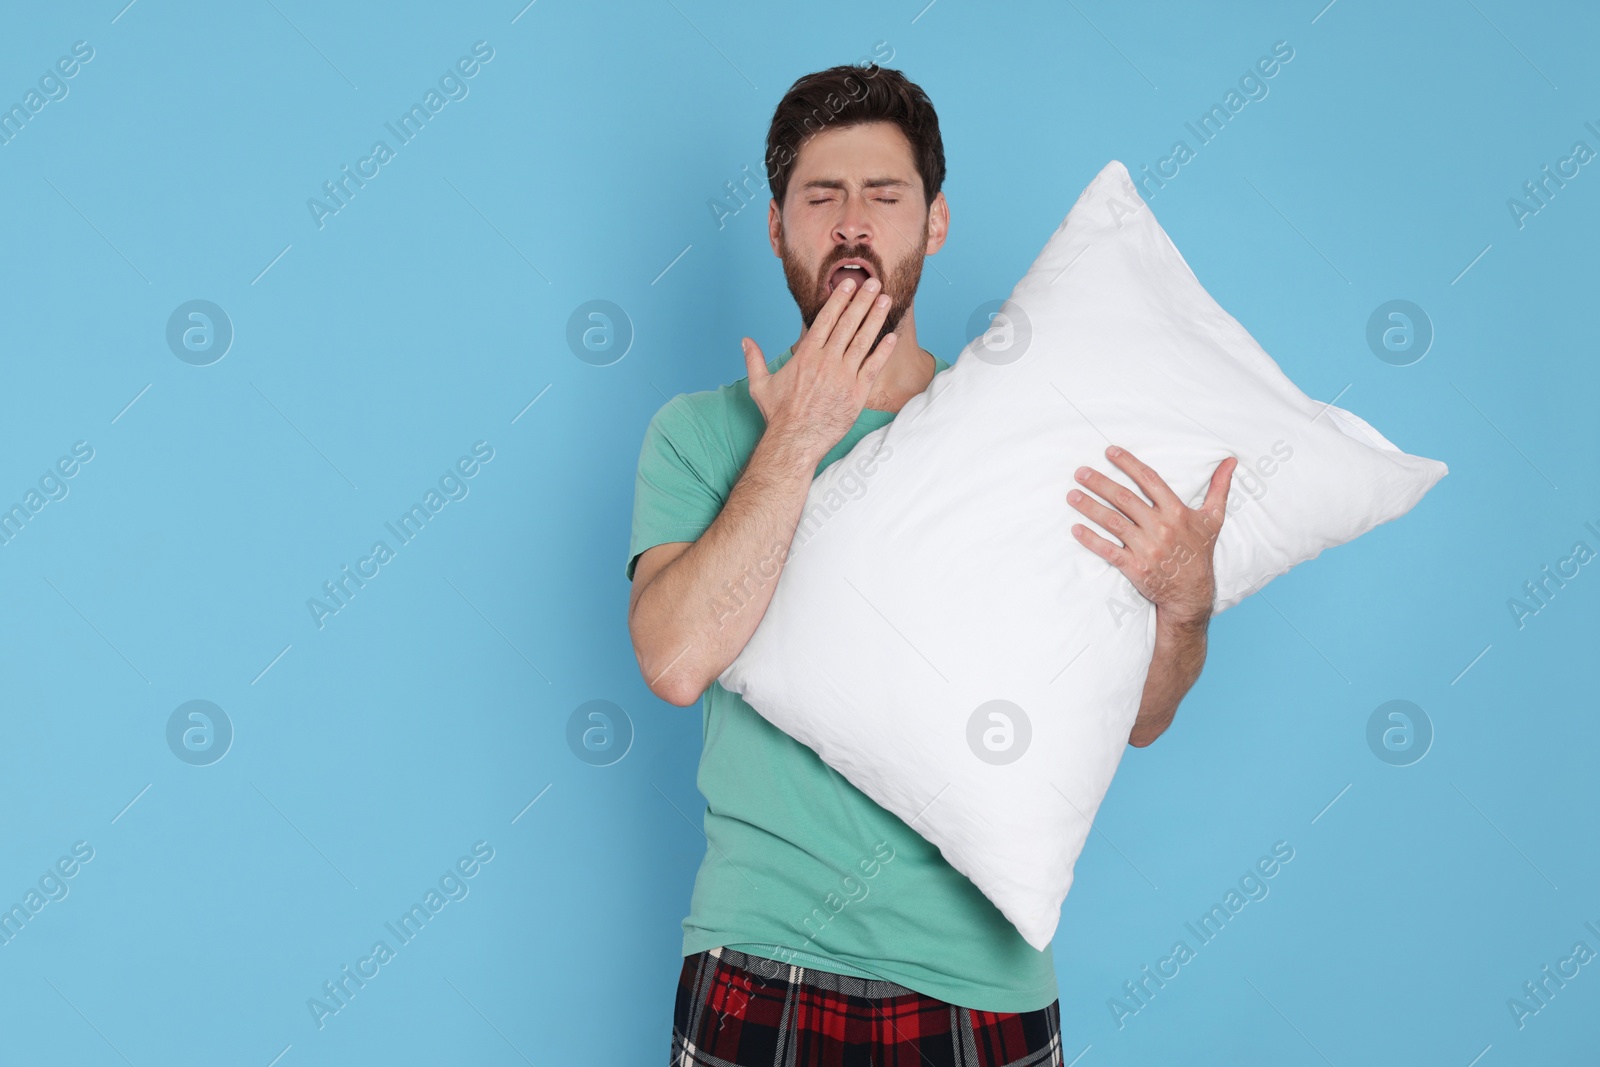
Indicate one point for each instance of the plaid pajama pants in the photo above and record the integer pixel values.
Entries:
(738, 1010)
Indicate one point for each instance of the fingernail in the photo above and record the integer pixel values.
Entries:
(1113, 451)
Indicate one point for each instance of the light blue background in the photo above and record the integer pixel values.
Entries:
(432, 310)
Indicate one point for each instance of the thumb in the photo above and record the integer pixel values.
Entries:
(754, 362)
(1216, 502)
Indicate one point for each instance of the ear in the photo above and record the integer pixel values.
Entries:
(774, 226)
(938, 223)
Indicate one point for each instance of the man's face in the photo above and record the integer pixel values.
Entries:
(854, 194)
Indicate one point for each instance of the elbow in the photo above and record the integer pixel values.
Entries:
(678, 694)
(667, 684)
(656, 668)
(680, 688)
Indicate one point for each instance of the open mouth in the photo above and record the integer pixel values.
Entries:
(850, 269)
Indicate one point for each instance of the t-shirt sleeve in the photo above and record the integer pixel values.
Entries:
(674, 495)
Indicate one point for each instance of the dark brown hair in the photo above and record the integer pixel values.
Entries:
(849, 95)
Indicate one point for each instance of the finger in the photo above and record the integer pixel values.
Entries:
(1126, 500)
(850, 320)
(867, 332)
(877, 361)
(1099, 545)
(837, 301)
(1108, 519)
(1154, 486)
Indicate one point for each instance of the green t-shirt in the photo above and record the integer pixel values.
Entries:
(801, 866)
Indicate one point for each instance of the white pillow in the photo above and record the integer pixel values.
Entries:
(939, 637)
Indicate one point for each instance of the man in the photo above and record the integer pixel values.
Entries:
(822, 929)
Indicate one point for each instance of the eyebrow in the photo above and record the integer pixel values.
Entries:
(870, 183)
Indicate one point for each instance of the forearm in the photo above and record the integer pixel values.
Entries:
(1180, 653)
(700, 610)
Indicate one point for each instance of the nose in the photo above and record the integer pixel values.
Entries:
(852, 227)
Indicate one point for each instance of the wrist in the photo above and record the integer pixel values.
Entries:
(791, 451)
(1181, 622)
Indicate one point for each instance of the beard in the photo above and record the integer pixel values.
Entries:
(810, 287)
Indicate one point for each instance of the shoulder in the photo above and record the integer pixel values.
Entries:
(683, 410)
(719, 426)
(696, 413)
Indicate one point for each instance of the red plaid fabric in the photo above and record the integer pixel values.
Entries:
(738, 1010)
